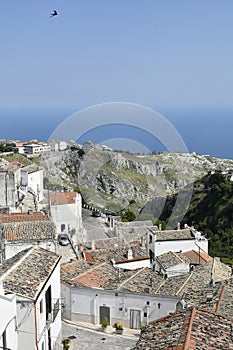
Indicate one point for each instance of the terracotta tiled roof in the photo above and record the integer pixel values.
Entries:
(23, 217)
(72, 269)
(26, 273)
(119, 255)
(105, 243)
(171, 235)
(61, 198)
(170, 259)
(15, 163)
(225, 303)
(89, 257)
(24, 227)
(6, 166)
(200, 288)
(82, 275)
(30, 168)
(196, 258)
(192, 329)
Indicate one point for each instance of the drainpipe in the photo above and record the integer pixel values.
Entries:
(36, 332)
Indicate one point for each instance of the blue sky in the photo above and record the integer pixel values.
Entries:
(170, 55)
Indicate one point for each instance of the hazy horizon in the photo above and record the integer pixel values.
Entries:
(202, 132)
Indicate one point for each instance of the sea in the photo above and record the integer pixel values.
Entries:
(206, 132)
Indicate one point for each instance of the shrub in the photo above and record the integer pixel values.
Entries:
(104, 323)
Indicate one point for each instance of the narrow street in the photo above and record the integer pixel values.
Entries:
(88, 339)
(95, 226)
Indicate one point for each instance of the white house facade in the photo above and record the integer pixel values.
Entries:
(9, 180)
(131, 310)
(160, 242)
(66, 212)
(8, 333)
(32, 181)
(36, 148)
(34, 276)
(98, 291)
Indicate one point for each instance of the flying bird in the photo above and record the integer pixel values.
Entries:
(53, 14)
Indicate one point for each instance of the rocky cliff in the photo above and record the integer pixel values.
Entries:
(119, 180)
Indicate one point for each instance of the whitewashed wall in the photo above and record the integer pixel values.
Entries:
(8, 321)
(55, 327)
(69, 215)
(84, 304)
(133, 265)
(184, 245)
(26, 324)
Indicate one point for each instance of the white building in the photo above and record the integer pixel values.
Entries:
(66, 212)
(160, 242)
(32, 181)
(36, 148)
(8, 333)
(20, 149)
(9, 180)
(20, 231)
(34, 277)
(104, 291)
(57, 145)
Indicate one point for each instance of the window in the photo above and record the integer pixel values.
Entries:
(150, 238)
(48, 300)
(41, 306)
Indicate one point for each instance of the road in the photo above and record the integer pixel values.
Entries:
(95, 226)
(66, 253)
(83, 339)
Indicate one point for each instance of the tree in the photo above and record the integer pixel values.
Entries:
(127, 216)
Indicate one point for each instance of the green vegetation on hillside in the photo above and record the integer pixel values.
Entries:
(7, 147)
(210, 211)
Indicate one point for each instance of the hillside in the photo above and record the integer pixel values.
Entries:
(210, 211)
(120, 180)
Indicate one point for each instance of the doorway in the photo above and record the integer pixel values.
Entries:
(135, 319)
(104, 312)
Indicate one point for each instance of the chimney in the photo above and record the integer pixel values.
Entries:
(129, 254)
(93, 244)
(178, 226)
(113, 262)
(160, 227)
